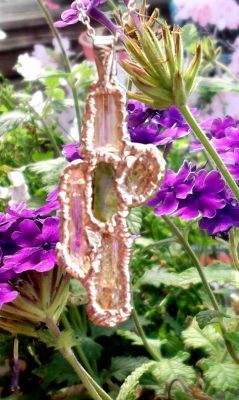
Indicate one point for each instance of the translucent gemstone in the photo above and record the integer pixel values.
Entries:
(108, 280)
(104, 196)
(76, 189)
(108, 121)
(137, 181)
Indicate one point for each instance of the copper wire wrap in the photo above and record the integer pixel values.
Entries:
(97, 192)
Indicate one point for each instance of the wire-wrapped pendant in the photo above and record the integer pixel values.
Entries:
(97, 191)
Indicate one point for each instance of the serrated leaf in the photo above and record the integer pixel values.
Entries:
(169, 369)
(50, 170)
(207, 338)
(121, 367)
(127, 391)
(137, 341)
(205, 317)
(12, 120)
(134, 220)
(57, 371)
(221, 375)
(219, 273)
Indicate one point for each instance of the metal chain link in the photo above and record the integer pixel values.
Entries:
(131, 7)
(85, 19)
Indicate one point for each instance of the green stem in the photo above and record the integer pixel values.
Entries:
(141, 333)
(95, 391)
(210, 149)
(78, 348)
(196, 262)
(47, 131)
(234, 247)
(227, 70)
(66, 60)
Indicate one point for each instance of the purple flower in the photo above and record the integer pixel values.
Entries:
(229, 141)
(13, 214)
(206, 198)
(52, 203)
(231, 160)
(7, 294)
(224, 220)
(36, 246)
(223, 133)
(71, 151)
(148, 125)
(176, 186)
(219, 126)
(73, 14)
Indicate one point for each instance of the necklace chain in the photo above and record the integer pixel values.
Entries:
(85, 19)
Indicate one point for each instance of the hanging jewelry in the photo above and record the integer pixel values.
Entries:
(97, 191)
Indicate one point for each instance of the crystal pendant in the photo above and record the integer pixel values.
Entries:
(97, 192)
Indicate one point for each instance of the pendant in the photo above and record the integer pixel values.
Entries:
(97, 191)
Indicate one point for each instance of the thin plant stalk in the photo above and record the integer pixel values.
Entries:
(141, 333)
(94, 390)
(234, 247)
(210, 149)
(66, 60)
(78, 348)
(47, 131)
(184, 242)
(227, 70)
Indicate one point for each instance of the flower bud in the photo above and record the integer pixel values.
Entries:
(157, 66)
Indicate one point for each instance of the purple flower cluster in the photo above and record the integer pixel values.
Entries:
(192, 193)
(27, 243)
(160, 127)
(224, 136)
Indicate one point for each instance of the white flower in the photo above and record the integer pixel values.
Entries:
(18, 192)
(37, 102)
(29, 67)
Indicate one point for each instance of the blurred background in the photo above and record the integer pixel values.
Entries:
(24, 26)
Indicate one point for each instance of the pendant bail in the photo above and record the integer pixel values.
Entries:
(104, 50)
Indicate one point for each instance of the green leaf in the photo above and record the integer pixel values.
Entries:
(169, 369)
(190, 37)
(49, 155)
(233, 337)
(179, 395)
(221, 375)
(215, 85)
(57, 371)
(220, 273)
(12, 120)
(158, 277)
(127, 391)
(206, 317)
(50, 170)
(207, 338)
(121, 367)
(137, 341)
(134, 220)
(91, 349)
